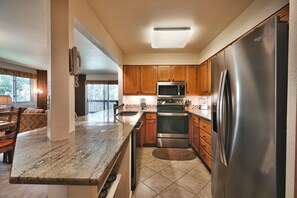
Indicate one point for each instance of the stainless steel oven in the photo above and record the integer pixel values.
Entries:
(172, 124)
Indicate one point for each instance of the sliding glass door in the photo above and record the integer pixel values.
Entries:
(101, 97)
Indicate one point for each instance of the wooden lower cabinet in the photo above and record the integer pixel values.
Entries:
(200, 138)
(205, 141)
(205, 157)
(196, 138)
(150, 129)
(195, 133)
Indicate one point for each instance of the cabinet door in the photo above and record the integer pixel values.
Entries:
(150, 132)
(178, 73)
(191, 80)
(199, 93)
(208, 77)
(203, 79)
(190, 130)
(131, 80)
(164, 73)
(148, 80)
(196, 138)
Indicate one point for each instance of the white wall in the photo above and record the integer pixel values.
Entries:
(292, 106)
(152, 100)
(81, 11)
(102, 76)
(161, 59)
(14, 66)
(252, 16)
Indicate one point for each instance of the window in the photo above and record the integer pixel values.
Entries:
(18, 88)
(101, 97)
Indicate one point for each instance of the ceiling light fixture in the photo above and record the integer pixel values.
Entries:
(176, 37)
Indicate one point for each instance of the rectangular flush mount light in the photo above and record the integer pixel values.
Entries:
(171, 37)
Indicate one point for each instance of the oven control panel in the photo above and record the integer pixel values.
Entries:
(170, 101)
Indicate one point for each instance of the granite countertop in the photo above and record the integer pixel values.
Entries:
(80, 160)
(206, 114)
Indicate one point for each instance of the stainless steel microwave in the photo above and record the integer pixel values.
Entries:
(171, 89)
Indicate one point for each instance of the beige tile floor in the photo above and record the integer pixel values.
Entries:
(170, 179)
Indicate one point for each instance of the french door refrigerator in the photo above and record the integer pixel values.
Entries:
(249, 94)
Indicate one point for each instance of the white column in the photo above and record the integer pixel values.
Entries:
(292, 98)
(61, 112)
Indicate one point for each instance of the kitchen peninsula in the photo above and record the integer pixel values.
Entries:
(81, 164)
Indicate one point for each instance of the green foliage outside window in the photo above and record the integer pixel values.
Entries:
(17, 87)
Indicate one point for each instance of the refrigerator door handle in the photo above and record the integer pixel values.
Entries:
(219, 117)
(222, 117)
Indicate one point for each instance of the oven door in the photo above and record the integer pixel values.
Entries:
(173, 129)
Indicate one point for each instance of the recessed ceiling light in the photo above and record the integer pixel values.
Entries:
(171, 37)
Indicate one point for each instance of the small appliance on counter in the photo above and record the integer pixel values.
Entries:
(204, 105)
(142, 103)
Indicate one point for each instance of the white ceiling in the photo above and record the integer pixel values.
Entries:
(130, 22)
(24, 27)
(93, 59)
(24, 32)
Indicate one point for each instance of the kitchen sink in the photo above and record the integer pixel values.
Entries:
(127, 113)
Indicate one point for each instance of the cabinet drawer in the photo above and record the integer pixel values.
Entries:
(150, 116)
(205, 156)
(205, 136)
(195, 119)
(205, 146)
(205, 126)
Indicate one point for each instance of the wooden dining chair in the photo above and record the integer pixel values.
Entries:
(9, 129)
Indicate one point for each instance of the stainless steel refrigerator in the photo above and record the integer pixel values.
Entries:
(249, 94)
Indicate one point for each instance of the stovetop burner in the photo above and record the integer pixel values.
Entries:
(167, 105)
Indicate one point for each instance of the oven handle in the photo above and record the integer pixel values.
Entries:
(139, 127)
(173, 114)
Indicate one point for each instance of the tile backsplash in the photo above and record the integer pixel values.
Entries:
(151, 101)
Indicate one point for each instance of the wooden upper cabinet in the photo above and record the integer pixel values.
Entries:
(191, 80)
(140, 80)
(148, 80)
(204, 79)
(164, 73)
(178, 73)
(131, 80)
(199, 93)
(209, 77)
(171, 73)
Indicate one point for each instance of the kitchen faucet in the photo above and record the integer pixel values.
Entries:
(115, 107)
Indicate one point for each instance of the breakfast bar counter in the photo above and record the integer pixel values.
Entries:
(83, 159)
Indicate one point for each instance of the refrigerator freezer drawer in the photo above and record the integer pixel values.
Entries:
(205, 146)
(205, 136)
(205, 156)
(205, 126)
